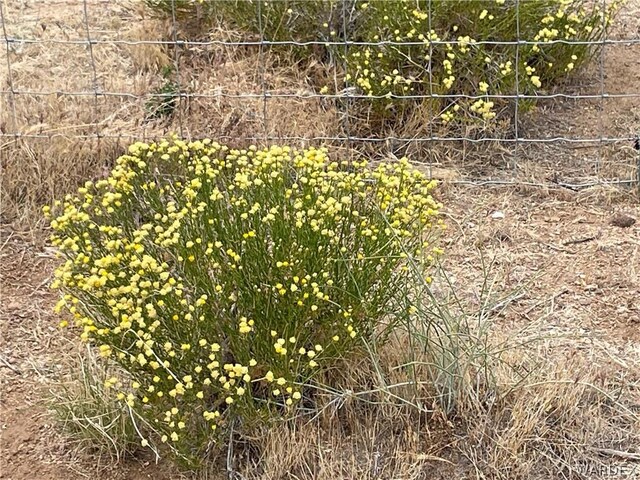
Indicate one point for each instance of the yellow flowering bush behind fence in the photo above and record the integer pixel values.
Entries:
(420, 48)
(469, 48)
(224, 281)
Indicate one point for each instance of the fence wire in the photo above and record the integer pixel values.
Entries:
(608, 152)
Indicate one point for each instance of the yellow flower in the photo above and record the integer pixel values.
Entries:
(535, 80)
(105, 350)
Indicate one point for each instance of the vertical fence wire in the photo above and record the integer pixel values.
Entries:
(516, 119)
(11, 93)
(347, 85)
(601, 79)
(176, 62)
(263, 70)
(94, 69)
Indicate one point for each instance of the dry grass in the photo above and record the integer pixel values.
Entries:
(89, 413)
(553, 425)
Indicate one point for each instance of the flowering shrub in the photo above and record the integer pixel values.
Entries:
(469, 49)
(223, 281)
(421, 48)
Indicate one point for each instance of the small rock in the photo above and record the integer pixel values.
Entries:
(497, 215)
(622, 220)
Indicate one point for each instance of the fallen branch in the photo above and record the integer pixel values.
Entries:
(575, 241)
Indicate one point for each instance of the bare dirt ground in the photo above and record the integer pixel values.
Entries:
(580, 268)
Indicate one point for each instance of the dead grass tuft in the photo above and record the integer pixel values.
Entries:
(89, 413)
(149, 57)
(563, 420)
(38, 171)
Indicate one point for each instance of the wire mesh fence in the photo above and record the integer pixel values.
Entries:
(108, 72)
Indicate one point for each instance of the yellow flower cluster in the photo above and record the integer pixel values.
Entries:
(422, 49)
(222, 280)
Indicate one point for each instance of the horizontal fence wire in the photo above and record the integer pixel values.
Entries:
(354, 95)
(310, 43)
(302, 139)
(517, 138)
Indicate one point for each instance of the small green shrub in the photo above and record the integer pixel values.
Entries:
(421, 48)
(224, 281)
(165, 100)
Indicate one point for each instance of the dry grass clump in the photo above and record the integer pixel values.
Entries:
(563, 420)
(36, 171)
(89, 413)
(555, 423)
